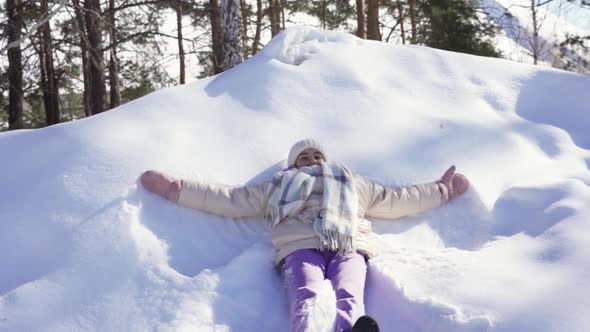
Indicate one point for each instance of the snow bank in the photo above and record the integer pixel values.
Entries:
(83, 248)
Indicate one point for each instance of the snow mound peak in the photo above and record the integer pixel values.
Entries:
(295, 45)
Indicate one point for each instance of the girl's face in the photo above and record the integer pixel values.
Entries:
(309, 157)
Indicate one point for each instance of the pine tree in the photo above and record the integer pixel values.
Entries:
(575, 53)
(95, 56)
(14, 26)
(361, 31)
(132, 27)
(373, 29)
(274, 9)
(115, 94)
(332, 14)
(216, 35)
(244, 15)
(413, 21)
(258, 28)
(231, 34)
(454, 26)
(181, 8)
(83, 44)
(48, 76)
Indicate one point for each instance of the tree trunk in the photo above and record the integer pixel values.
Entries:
(216, 35)
(80, 21)
(232, 34)
(282, 12)
(48, 82)
(373, 20)
(535, 41)
(323, 14)
(413, 20)
(178, 9)
(401, 20)
(115, 95)
(244, 10)
(256, 41)
(95, 56)
(273, 14)
(360, 19)
(15, 68)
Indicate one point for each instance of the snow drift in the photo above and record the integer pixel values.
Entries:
(84, 248)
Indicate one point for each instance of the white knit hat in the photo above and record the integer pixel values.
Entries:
(300, 146)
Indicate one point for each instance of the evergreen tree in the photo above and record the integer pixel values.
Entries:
(396, 15)
(14, 26)
(575, 52)
(141, 78)
(94, 29)
(454, 26)
(361, 25)
(246, 11)
(274, 15)
(231, 34)
(115, 94)
(257, 28)
(49, 84)
(575, 49)
(216, 36)
(82, 43)
(332, 14)
(373, 28)
(182, 9)
(179, 10)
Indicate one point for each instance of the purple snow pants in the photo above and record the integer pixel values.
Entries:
(305, 270)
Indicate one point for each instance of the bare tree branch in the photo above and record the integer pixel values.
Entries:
(43, 20)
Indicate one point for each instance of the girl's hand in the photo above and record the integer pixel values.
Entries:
(455, 183)
(161, 184)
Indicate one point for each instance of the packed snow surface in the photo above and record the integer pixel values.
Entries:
(83, 247)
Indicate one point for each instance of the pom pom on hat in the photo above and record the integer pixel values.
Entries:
(301, 146)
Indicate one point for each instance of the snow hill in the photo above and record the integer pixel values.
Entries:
(84, 248)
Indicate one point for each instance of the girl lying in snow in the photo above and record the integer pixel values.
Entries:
(317, 210)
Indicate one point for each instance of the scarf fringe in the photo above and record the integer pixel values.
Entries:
(271, 214)
(334, 241)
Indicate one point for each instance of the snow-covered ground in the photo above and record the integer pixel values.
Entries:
(84, 248)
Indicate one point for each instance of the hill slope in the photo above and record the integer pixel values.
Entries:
(84, 248)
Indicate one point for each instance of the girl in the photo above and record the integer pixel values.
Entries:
(317, 212)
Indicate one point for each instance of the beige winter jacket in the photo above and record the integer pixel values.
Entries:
(296, 233)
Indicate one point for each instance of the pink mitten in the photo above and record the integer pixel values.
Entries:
(161, 184)
(455, 183)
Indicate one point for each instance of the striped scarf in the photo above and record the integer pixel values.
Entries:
(336, 223)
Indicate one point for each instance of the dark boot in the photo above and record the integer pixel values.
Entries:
(364, 324)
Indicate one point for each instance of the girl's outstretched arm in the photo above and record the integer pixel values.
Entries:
(227, 201)
(396, 202)
(224, 200)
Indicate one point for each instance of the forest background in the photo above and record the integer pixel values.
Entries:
(66, 60)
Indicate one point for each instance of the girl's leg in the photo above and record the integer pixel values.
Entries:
(348, 274)
(304, 272)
